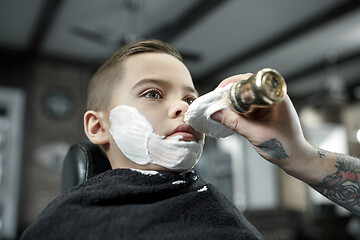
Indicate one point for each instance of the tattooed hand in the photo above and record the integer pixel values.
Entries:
(274, 132)
(277, 136)
(274, 148)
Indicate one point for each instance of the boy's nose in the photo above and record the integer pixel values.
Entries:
(178, 108)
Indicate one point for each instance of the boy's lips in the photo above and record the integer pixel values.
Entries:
(187, 133)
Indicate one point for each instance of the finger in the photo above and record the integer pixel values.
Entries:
(235, 78)
(234, 121)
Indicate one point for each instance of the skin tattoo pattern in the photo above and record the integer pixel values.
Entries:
(274, 148)
(343, 186)
(321, 153)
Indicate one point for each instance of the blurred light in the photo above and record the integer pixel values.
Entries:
(358, 135)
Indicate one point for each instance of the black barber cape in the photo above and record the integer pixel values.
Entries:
(129, 204)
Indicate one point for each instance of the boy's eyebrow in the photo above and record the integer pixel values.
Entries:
(161, 82)
(191, 89)
(149, 80)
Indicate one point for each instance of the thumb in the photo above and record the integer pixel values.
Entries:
(234, 121)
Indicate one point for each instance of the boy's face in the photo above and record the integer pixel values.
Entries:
(161, 88)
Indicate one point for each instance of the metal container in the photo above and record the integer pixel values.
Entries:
(264, 89)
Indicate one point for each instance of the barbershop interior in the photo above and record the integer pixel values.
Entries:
(50, 49)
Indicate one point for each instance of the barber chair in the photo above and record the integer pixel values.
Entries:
(82, 162)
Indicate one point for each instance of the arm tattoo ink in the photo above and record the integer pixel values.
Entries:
(343, 186)
(274, 148)
(321, 152)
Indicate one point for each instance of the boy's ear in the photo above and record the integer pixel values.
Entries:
(96, 127)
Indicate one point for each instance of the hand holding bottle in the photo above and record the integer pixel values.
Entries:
(275, 132)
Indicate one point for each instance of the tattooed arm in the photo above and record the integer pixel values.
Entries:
(343, 185)
(277, 136)
(334, 175)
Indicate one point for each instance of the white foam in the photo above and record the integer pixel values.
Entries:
(135, 137)
(145, 172)
(203, 189)
(199, 113)
(178, 182)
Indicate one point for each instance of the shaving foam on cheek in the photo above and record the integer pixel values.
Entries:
(199, 113)
(135, 137)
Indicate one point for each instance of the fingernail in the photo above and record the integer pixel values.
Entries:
(218, 116)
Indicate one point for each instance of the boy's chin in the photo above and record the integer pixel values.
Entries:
(158, 168)
(153, 167)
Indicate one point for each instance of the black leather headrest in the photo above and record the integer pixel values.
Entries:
(82, 162)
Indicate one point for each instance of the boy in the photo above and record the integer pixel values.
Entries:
(136, 106)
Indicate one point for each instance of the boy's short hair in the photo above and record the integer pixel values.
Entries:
(109, 74)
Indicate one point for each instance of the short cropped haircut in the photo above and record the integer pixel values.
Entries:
(109, 74)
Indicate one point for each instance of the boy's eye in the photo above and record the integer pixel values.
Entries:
(152, 94)
(189, 100)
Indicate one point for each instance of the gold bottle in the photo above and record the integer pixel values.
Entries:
(264, 89)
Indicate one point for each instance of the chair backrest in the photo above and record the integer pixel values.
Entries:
(82, 162)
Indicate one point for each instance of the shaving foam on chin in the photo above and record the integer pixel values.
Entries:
(199, 113)
(135, 137)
